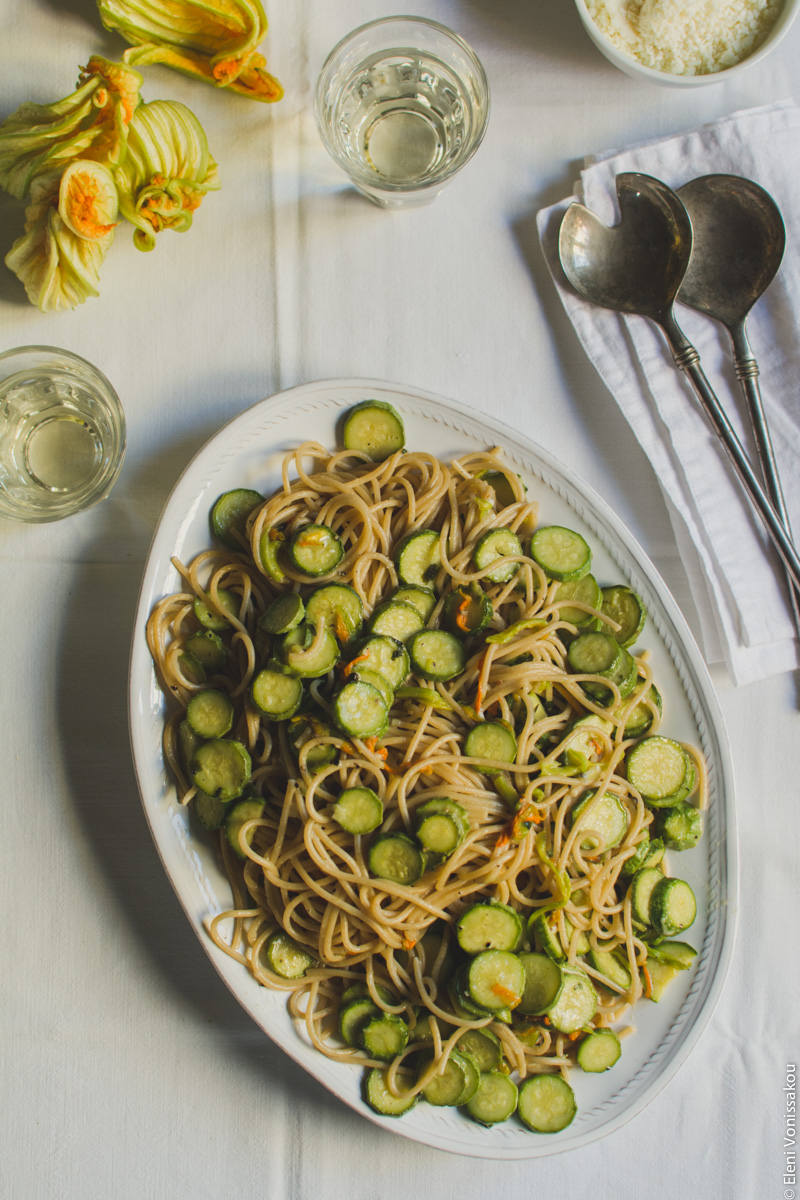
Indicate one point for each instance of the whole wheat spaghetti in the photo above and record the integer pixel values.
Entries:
(294, 869)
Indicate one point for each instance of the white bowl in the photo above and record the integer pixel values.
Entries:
(637, 70)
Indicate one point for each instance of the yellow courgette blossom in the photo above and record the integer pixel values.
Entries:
(58, 267)
(91, 123)
(212, 40)
(166, 172)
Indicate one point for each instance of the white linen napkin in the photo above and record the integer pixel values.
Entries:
(736, 577)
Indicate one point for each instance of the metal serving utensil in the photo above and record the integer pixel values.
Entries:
(637, 267)
(738, 239)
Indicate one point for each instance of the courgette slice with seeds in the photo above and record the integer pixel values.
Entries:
(360, 711)
(661, 771)
(418, 557)
(221, 767)
(385, 655)
(561, 553)
(374, 428)
(494, 545)
(210, 812)
(673, 907)
(276, 695)
(339, 607)
(210, 713)
(599, 1051)
(381, 1099)
(286, 957)
(605, 819)
(489, 925)
(495, 979)
(423, 599)
(229, 516)
(576, 1003)
(436, 654)
(492, 741)
(209, 649)
(484, 1046)
(641, 890)
(627, 609)
(384, 1036)
(495, 1100)
(395, 857)
(439, 834)
(396, 619)
(546, 1103)
(315, 550)
(594, 653)
(358, 810)
(576, 592)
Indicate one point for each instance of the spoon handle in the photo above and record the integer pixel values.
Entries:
(688, 360)
(747, 371)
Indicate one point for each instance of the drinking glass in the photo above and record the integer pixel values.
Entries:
(401, 105)
(62, 434)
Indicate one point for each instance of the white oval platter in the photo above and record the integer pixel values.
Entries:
(247, 452)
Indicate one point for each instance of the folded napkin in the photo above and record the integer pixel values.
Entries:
(736, 577)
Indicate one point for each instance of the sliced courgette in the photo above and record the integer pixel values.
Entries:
(546, 1103)
(561, 553)
(436, 654)
(489, 925)
(374, 428)
(396, 857)
(495, 1100)
(599, 1051)
(680, 826)
(491, 741)
(360, 711)
(396, 619)
(276, 695)
(544, 981)
(358, 810)
(286, 957)
(420, 598)
(315, 550)
(210, 713)
(495, 545)
(627, 609)
(230, 513)
(381, 1099)
(418, 558)
(339, 607)
(221, 767)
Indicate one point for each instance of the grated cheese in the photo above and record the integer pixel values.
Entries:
(686, 37)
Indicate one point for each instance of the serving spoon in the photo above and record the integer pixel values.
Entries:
(637, 267)
(738, 239)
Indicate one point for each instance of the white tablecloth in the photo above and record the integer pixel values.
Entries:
(128, 1069)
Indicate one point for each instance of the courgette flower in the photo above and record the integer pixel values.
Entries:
(166, 172)
(59, 268)
(212, 40)
(91, 123)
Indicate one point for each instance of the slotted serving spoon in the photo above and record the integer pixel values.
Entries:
(637, 267)
(738, 239)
